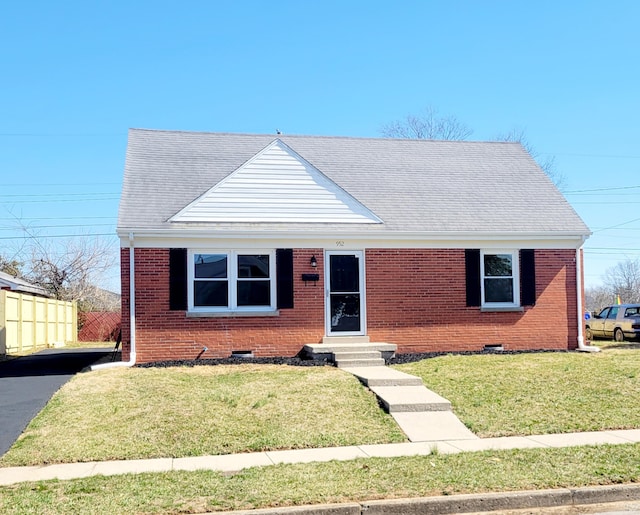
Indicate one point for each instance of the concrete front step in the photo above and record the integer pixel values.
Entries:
(383, 376)
(326, 350)
(359, 362)
(432, 426)
(374, 354)
(410, 399)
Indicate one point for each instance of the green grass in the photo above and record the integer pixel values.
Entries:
(140, 413)
(88, 345)
(302, 484)
(180, 411)
(505, 395)
(174, 412)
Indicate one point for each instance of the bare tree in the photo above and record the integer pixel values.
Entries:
(597, 298)
(427, 125)
(546, 162)
(430, 125)
(624, 279)
(71, 270)
(10, 266)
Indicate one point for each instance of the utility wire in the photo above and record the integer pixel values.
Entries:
(30, 227)
(56, 236)
(39, 195)
(620, 188)
(92, 199)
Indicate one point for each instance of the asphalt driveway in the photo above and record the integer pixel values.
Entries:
(27, 384)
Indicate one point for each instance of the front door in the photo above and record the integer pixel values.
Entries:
(344, 304)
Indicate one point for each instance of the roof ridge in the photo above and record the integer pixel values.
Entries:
(320, 136)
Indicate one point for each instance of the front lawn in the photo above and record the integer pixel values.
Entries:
(129, 413)
(524, 394)
(203, 410)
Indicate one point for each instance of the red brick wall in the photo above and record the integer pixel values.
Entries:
(162, 334)
(415, 299)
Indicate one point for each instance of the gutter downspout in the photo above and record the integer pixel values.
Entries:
(579, 286)
(132, 314)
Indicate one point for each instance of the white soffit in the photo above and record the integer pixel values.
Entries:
(276, 185)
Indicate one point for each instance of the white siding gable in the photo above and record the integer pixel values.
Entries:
(276, 185)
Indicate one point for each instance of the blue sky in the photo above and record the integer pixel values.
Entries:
(76, 75)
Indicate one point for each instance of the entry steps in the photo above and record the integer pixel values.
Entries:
(351, 351)
(423, 415)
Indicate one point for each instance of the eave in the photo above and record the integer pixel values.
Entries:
(287, 238)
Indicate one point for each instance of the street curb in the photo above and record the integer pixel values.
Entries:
(467, 503)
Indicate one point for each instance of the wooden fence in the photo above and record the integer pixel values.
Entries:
(29, 323)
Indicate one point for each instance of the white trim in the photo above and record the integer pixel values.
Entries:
(515, 277)
(579, 288)
(360, 254)
(221, 239)
(232, 281)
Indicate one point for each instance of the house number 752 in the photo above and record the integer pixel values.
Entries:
(339, 243)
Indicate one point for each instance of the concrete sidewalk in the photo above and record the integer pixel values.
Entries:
(235, 462)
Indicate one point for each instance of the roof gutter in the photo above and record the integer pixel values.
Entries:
(212, 231)
(132, 314)
(579, 288)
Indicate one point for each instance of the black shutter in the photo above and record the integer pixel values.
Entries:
(284, 278)
(472, 276)
(178, 279)
(527, 277)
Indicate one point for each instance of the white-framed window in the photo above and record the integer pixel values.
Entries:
(500, 278)
(231, 280)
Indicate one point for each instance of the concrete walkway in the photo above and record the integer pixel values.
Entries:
(235, 462)
(423, 415)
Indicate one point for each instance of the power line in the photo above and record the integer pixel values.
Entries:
(610, 156)
(57, 201)
(39, 195)
(618, 225)
(604, 203)
(56, 226)
(603, 193)
(57, 236)
(61, 135)
(604, 189)
(20, 218)
(65, 184)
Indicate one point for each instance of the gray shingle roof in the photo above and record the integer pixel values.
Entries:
(20, 285)
(412, 185)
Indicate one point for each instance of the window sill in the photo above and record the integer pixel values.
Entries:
(505, 309)
(229, 314)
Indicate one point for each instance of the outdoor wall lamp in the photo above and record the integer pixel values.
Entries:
(313, 262)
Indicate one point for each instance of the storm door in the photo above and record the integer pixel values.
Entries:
(345, 311)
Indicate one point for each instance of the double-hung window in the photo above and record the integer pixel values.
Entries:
(499, 273)
(222, 281)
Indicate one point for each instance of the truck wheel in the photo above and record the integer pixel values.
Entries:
(587, 334)
(618, 335)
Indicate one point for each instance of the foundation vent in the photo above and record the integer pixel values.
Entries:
(242, 354)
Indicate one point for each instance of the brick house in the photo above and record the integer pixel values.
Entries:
(264, 243)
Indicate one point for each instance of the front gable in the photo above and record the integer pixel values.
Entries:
(276, 185)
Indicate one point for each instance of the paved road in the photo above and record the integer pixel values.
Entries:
(27, 384)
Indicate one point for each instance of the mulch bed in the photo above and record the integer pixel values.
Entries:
(297, 361)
